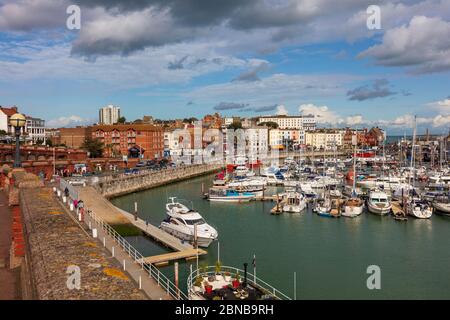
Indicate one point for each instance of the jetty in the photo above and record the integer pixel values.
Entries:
(115, 216)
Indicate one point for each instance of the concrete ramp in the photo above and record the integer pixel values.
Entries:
(104, 209)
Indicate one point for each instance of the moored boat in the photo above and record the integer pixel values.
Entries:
(187, 224)
(294, 202)
(379, 203)
(217, 194)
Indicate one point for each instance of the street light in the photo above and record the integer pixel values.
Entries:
(17, 121)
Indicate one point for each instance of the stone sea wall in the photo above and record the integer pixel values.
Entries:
(113, 186)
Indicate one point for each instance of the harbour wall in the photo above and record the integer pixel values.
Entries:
(53, 241)
(120, 184)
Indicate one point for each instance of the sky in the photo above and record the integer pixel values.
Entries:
(188, 58)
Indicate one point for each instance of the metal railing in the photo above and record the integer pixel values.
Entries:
(251, 279)
(137, 257)
(63, 184)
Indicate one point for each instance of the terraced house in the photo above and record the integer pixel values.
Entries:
(132, 140)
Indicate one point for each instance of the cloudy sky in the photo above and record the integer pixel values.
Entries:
(182, 58)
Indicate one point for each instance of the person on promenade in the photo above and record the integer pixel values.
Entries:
(81, 210)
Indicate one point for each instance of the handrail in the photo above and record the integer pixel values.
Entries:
(257, 282)
(153, 272)
(138, 258)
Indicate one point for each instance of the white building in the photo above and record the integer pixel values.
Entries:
(281, 138)
(257, 143)
(306, 122)
(5, 114)
(109, 115)
(326, 139)
(35, 128)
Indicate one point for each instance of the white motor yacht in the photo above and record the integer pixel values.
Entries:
(187, 224)
(379, 203)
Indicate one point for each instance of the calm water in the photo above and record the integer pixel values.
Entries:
(330, 256)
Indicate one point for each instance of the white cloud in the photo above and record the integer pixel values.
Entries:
(25, 15)
(281, 110)
(323, 113)
(354, 120)
(70, 121)
(274, 89)
(443, 106)
(441, 121)
(144, 68)
(423, 46)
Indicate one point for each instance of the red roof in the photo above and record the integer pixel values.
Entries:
(9, 111)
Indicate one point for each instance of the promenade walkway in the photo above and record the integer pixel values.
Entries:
(55, 241)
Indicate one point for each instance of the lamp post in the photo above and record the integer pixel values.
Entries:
(17, 121)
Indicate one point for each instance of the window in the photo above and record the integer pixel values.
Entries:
(196, 221)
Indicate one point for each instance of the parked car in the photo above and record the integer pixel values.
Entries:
(150, 163)
(141, 164)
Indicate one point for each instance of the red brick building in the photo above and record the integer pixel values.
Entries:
(74, 137)
(366, 138)
(130, 140)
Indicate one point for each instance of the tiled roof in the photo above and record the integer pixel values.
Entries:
(9, 111)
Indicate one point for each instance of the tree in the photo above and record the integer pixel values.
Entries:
(49, 142)
(121, 120)
(235, 125)
(189, 120)
(269, 124)
(94, 147)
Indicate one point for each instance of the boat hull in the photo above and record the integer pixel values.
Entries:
(442, 209)
(294, 208)
(352, 211)
(203, 242)
(231, 199)
(380, 211)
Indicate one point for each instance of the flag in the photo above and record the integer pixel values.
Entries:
(254, 261)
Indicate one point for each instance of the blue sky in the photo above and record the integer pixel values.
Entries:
(176, 59)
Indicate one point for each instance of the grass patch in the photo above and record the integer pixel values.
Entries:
(127, 230)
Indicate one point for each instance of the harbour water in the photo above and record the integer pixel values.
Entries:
(329, 256)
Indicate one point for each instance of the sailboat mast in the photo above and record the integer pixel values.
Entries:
(412, 152)
(354, 163)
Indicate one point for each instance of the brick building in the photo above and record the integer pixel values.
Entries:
(131, 140)
(74, 137)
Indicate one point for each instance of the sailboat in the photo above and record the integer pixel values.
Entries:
(354, 206)
(327, 207)
(415, 206)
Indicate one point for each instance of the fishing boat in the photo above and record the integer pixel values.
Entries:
(187, 224)
(379, 203)
(224, 194)
(294, 202)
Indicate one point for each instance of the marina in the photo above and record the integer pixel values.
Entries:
(327, 254)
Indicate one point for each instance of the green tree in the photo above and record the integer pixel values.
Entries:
(121, 120)
(94, 147)
(269, 124)
(49, 142)
(235, 125)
